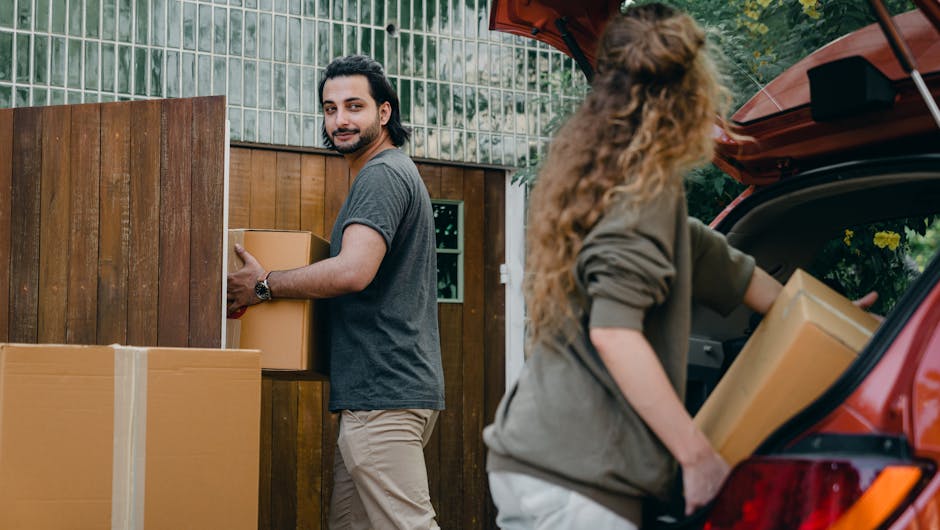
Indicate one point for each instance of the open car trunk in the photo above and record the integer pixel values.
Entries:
(785, 227)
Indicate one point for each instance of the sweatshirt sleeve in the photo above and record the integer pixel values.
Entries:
(625, 267)
(721, 273)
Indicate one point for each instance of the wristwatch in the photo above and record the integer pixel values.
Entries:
(262, 290)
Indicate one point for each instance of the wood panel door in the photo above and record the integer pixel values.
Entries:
(111, 223)
(267, 190)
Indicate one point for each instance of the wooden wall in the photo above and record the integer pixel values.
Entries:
(295, 190)
(111, 223)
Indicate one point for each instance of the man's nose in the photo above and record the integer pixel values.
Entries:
(342, 118)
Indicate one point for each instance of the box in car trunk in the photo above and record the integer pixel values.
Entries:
(808, 338)
(288, 332)
(101, 437)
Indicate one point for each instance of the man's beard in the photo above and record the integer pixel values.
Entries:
(366, 137)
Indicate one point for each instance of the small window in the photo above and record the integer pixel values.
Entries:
(448, 231)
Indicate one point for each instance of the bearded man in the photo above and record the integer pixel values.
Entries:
(386, 377)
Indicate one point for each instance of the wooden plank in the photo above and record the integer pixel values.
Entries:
(336, 188)
(452, 183)
(312, 183)
(143, 264)
(6, 199)
(431, 175)
(114, 209)
(450, 422)
(330, 432)
(284, 455)
(494, 296)
(54, 224)
(263, 189)
(85, 174)
(239, 187)
(208, 172)
(24, 225)
(287, 201)
(309, 454)
(474, 494)
(175, 208)
(266, 445)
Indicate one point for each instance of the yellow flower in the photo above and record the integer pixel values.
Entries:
(848, 237)
(813, 13)
(762, 28)
(888, 239)
(763, 3)
(808, 3)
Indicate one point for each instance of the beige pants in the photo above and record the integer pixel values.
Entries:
(379, 477)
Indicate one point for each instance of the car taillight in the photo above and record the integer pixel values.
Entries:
(812, 494)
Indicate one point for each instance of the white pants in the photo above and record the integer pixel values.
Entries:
(528, 503)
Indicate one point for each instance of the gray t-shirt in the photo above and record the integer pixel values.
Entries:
(385, 348)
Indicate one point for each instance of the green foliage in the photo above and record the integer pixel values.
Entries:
(708, 191)
(873, 257)
(923, 241)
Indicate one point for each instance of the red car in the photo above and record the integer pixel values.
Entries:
(844, 138)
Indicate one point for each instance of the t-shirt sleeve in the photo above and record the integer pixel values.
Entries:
(721, 273)
(625, 269)
(378, 199)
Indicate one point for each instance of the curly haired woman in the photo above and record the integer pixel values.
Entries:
(595, 424)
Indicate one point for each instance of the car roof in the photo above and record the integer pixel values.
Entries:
(782, 136)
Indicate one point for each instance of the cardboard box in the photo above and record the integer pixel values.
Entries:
(808, 338)
(102, 437)
(288, 332)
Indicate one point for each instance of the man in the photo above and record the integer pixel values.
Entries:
(386, 376)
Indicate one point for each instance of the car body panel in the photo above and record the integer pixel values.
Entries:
(787, 140)
(784, 137)
(536, 20)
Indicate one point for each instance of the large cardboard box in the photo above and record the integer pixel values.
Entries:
(289, 333)
(114, 437)
(808, 338)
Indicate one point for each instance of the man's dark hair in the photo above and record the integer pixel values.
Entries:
(380, 89)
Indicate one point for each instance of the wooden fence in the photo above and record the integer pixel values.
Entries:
(111, 219)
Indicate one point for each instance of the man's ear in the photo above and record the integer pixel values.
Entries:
(385, 112)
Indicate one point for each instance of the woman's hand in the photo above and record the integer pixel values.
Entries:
(702, 480)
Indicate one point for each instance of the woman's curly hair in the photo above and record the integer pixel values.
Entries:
(651, 115)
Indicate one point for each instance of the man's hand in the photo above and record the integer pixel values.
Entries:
(241, 283)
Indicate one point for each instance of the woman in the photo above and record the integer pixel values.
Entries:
(596, 423)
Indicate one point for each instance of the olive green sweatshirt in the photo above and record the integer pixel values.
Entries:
(565, 420)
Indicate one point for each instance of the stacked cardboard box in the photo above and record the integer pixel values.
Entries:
(288, 332)
(101, 437)
(804, 343)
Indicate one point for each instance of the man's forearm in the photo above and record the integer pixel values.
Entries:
(323, 279)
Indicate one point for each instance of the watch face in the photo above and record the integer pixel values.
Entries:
(262, 290)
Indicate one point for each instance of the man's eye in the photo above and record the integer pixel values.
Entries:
(355, 106)
(329, 110)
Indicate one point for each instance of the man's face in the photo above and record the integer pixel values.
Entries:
(351, 117)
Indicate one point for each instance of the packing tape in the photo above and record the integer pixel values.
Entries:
(829, 307)
(130, 438)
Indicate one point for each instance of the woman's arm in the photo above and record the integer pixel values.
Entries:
(638, 373)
